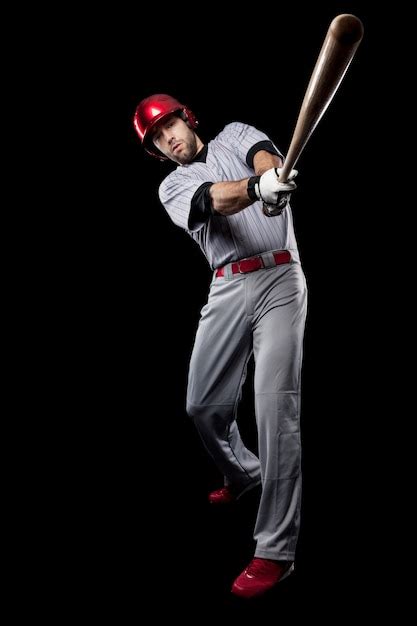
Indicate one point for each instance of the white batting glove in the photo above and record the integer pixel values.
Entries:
(269, 186)
(291, 175)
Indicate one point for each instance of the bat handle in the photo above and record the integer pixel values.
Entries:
(285, 171)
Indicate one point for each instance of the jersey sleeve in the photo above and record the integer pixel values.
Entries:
(246, 141)
(178, 193)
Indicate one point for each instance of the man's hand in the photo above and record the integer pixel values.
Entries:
(291, 175)
(269, 186)
(274, 194)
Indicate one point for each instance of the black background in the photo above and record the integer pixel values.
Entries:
(251, 67)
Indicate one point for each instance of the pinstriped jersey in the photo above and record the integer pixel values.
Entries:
(224, 239)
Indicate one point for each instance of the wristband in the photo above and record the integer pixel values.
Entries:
(253, 188)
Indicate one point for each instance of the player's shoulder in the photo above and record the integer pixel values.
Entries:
(235, 127)
(174, 178)
(235, 131)
(167, 181)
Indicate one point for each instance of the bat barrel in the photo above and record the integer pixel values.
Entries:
(343, 37)
(347, 29)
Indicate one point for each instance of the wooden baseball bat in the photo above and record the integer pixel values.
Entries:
(343, 37)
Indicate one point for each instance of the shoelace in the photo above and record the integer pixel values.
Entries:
(261, 566)
(224, 491)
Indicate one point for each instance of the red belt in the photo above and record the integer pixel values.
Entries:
(254, 263)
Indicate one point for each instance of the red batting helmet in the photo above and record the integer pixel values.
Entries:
(154, 109)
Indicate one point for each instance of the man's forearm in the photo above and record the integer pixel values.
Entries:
(263, 161)
(230, 197)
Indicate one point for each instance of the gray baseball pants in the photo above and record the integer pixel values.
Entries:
(261, 312)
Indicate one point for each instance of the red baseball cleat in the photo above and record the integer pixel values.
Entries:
(221, 496)
(260, 576)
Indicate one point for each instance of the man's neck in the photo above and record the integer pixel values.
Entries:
(200, 146)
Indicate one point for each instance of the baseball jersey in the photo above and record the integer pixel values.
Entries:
(223, 239)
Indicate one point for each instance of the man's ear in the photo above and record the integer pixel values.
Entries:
(188, 117)
(183, 115)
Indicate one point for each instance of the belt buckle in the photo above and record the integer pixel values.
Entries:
(249, 264)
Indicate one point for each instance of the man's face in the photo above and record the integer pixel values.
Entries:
(175, 139)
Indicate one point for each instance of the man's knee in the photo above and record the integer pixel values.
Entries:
(209, 417)
(192, 410)
(199, 413)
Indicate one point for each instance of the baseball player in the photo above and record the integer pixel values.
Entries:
(227, 195)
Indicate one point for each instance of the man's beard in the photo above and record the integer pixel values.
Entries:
(188, 151)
